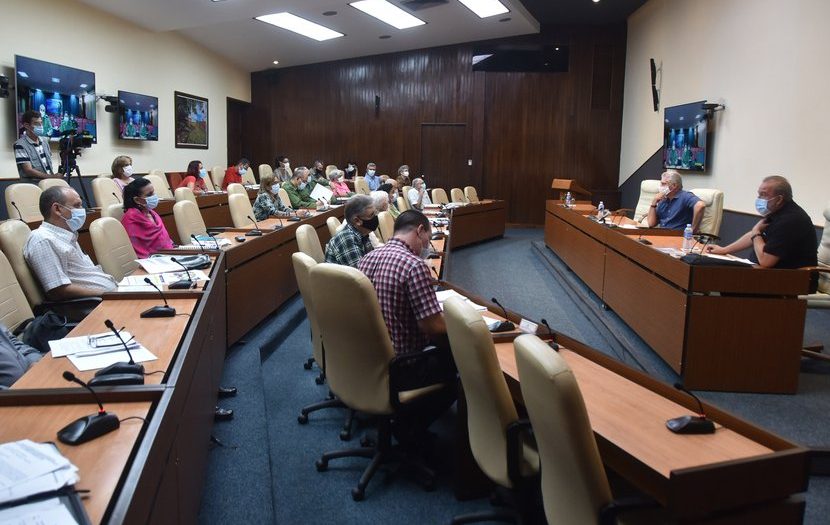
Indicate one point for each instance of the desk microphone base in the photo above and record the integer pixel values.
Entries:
(253, 233)
(88, 428)
(691, 425)
(184, 284)
(159, 311)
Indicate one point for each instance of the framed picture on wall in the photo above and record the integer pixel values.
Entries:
(191, 121)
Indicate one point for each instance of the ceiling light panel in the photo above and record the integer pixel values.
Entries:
(388, 13)
(485, 8)
(301, 26)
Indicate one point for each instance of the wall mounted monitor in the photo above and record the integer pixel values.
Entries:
(64, 96)
(685, 137)
(137, 116)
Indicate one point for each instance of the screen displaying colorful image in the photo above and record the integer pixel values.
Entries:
(137, 116)
(64, 96)
(684, 137)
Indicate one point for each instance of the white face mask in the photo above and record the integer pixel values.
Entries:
(128, 170)
(242, 171)
(370, 172)
(405, 173)
(664, 189)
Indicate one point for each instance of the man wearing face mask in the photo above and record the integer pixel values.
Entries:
(235, 173)
(372, 178)
(298, 190)
(673, 207)
(418, 196)
(352, 242)
(350, 170)
(31, 153)
(54, 255)
(784, 237)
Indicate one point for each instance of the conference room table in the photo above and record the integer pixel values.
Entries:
(722, 328)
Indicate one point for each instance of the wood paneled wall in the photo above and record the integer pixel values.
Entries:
(521, 129)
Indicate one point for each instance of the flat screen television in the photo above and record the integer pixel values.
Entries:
(64, 96)
(685, 137)
(137, 116)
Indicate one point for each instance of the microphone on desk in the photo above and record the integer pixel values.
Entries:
(620, 213)
(256, 232)
(699, 424)
(503, 326)
(88, 427)
(125, 369)
(116, 197)
(280, 225)
(181, 284)
(553, 344)
(158, 311)
(19, 215)
(201, 247)
(434, 254)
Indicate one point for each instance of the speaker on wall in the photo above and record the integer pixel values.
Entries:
(655, 96)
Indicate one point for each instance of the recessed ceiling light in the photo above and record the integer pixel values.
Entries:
(83, 86)
(276, 62)
(56, 80)
(557, 49)
(301, 26)
(596, 1)
(388, 13)
(23, 74)
(485, 8)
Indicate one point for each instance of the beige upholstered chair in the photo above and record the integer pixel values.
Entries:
(54, 181)
(386, 226)
(160, 185)
(157, 173)
(105, 192)
(821, 299)
(404, 204)
(713, 213)
(333, 224)
(13, 237)
(470, 194)
(241, 210)
(405, 191)
(309, 243)
(236, 188)
(284, 198)
(265, 169)
(330, 168)
(185, 193)
(361, 187)
(218, 176)
(114, 210)
(492, 419)
(26, 197)
(112, 246)
(189, 220)
(248, 177)
(359, 360)
(648, 190)
(209, 183)
(439, 196)
(14, 308)
(456, 195)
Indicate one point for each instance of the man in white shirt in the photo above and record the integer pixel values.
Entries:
(417, 195)
(54, 255)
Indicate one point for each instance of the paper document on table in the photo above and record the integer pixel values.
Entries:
(158, 265)
(443, 295)
(51, 511)
(209, 243)
(72, 345)
(626, 226)
(135, 283)
(321, 192)
(729, 258)
(94, 360)
(28, 468)
(672, 252)
(252, 186)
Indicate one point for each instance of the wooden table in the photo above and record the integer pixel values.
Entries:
(477, 222)
(710, 324)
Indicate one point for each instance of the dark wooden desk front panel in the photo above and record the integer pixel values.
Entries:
(478, 222)
(581, 253)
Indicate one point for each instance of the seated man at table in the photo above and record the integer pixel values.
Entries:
(298, 190)
(418, 196)
(54, 255)
(352, 242)
(15, 358)
(784, 237)
(143, 225)
(673, 207)
(234, 174)
(372, 177)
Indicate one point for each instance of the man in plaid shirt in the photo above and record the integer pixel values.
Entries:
(352, 242)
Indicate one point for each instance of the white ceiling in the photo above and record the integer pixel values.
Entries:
(229, 29)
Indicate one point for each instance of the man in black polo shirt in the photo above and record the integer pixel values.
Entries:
(785, 237)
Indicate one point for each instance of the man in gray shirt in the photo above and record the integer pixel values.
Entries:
(32, 154)
(15, 358)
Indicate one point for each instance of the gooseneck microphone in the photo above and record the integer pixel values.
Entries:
(435, 254)
(255, 232)
(699, 424)
(127, 373)
(214, 239)
(553, 344)
(201, 247)
(116, 197)
(88, 427)
(19, 215)
(181, 284)
(158, 311)
(280, 225)
(503, 326)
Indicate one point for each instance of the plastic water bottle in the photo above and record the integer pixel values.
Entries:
(601, 210)
(688, 241)
(569, 201)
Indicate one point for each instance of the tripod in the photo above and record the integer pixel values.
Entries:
(69, 163)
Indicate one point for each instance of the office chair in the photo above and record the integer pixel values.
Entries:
(26, 197)
(330, 168)
(13, 237)
(404, 204)
(386, 226)
(105, 192)
(114, 210)
(439, 196)
(500, 442)
(333, 224)
(112, 246)
(184, 193)
(457, 195)
(470, 194)
(189, 221)
(575, 489)
(209, 186)
(248, 177)
(218, 176)
(309, 243)
(242, 213)
(160, 185)
(362, 369)
(361, 187)
(14, 309)
(48, 183)
(236, 188)
(821, 298)
(284, 198)
(713, 213)
(648, 190)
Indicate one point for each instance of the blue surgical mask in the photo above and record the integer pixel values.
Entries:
(370, 172)
(151, 202)
(761, 206)
(38, 130)
(77, 219)
(203, 173)
(242, 171)
(302, 185)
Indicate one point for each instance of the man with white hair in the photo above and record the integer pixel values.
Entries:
(418, 196)
(673, 207)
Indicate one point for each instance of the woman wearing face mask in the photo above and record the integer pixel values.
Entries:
(122, 171)
(144, 226)
(234, 174)
(403, 176)
(338, 188)
(195, 178)
(282, 168)
(350, 170)
(268, 203)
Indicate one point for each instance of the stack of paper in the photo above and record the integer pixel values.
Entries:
(135, 283)
(443, 295)
(28, 468)
(209, 243)
(99, 350)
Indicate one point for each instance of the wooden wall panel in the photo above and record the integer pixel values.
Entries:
(522, 129)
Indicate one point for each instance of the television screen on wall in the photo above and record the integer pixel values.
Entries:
(685, 137)
(137, 116)
(64, 96)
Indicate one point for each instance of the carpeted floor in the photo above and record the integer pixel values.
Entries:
(265, 471)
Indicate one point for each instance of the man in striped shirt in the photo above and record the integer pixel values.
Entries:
(32, 154)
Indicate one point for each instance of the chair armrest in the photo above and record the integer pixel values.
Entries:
(820, 269)
(408, 372)
(610, 511)
(515, 433)
(73, 309)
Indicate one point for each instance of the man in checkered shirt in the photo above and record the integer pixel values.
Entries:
(352, 242)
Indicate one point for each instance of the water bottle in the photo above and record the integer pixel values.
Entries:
(688, 241)
(569, 201)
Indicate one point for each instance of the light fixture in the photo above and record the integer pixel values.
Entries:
(388, 13)
(485, 8)
(83, 86)
(596, 1)
(56, 80)
(276, 62)
(23, 74)
(301, 26)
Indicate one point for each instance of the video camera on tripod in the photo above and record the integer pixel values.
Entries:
(70, 144)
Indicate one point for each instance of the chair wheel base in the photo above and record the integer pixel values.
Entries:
(321, 465)
(302, 419)
(345, 435)
(319, 380)
(307, 365)
(367, 442)
(358, 494)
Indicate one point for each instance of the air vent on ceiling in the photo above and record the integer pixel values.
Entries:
(419, 5)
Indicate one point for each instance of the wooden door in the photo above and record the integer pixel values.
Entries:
(239, 144)
(444, 156)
